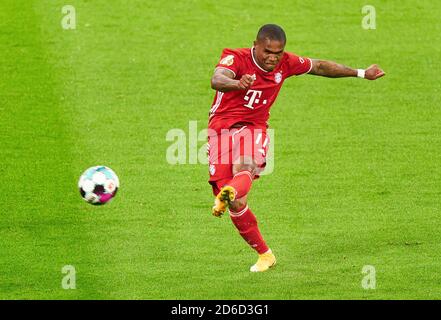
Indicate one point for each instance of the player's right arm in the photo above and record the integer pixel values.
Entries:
(223, 80)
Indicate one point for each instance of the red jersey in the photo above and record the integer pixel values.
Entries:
(252, 106)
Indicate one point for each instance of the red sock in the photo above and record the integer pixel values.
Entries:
(246, 223)
(242, 182)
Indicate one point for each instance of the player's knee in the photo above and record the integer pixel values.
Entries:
(245, 164)
(238, 204)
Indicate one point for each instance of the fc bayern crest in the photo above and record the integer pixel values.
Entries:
(278, 77)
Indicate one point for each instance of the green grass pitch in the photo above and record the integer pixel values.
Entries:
(357, 163)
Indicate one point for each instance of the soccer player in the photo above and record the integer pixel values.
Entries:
(247, 82)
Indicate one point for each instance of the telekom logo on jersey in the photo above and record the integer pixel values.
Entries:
(253, 96)
(192, 148)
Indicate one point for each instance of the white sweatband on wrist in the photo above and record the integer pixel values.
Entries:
(360, 73)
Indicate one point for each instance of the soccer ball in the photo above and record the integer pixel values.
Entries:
(98, 185)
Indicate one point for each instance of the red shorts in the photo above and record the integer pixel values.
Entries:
(226, 148)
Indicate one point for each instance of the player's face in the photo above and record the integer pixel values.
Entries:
(268, 53)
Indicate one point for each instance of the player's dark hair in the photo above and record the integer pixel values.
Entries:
(271, 32)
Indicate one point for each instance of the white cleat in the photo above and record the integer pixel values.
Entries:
(265, 261)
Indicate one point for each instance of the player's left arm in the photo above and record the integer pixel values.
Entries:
(332, 69)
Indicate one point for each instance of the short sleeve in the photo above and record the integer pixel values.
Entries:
(229, 60)
(298, 65)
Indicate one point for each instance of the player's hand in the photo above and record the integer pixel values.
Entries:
(373, 72)
(246, 81)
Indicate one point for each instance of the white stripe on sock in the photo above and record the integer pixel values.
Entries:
(238, 214)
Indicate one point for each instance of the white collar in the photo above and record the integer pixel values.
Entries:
(252, 55)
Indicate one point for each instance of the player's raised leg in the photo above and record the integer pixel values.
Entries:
(238, 187)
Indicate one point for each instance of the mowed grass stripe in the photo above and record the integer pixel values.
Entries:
(41, 230)
(105, 89)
